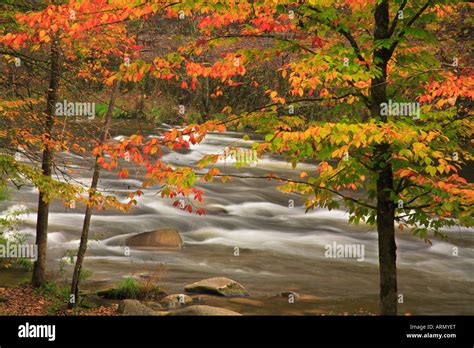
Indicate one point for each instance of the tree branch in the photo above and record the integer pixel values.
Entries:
(409, 24)
(347, 35)
(395, 19)
(299, 182)
(265, 36)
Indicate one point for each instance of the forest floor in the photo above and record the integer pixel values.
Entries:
(24, 300)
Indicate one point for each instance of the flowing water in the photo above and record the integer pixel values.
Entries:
(281, 247)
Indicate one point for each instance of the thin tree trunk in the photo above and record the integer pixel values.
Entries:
(89, 208)
(39, 268)
(385, 207)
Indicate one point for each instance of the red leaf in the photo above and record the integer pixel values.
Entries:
(123, 173)
(316, 41)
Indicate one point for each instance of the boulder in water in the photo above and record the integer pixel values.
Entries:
(164, 238)
(291, 296)
(134, 307)
(176, 301)
(203, 310)
(217, 286)
(153, 305)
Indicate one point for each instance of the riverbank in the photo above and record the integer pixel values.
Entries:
(23, 300)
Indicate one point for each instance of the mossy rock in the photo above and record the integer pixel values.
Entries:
(130, 288)
(134, 307)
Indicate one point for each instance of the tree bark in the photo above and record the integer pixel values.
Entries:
(385, 207)
(89, 208)
(39, 268)
(386, 234)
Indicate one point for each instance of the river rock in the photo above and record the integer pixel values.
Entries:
(93, 300)
(215, 209)
(134, 307)
(176, 300)
(153, 305)
(217, 286)
(289, 295)
(203, 310)
(165, 238)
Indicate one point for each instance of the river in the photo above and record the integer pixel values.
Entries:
(281, 247)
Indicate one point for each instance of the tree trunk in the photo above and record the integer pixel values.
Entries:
(89, 208)
(39, 268)
(385, 206)
(386, 234)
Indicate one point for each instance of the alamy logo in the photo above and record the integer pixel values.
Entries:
(400, 109)
(21, 251)
(37, 331)
(240, 156)
(75, 109)
(345, 251)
